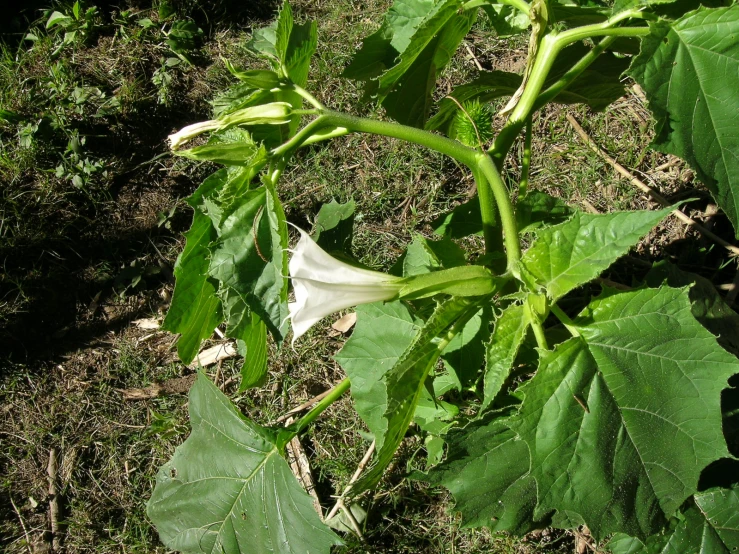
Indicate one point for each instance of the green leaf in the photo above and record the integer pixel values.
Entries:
(249, 256)
(251, 334)
(424, 256)
(195, 310)
(335, 226)
(380, 50)
(720, 510)
(243, 499)
(506, 20)
(510, 332)
(462, 221)
(465, 354)
(568, 255)
(58, 18)
(405, 90)
(382, 334)
(709, 525)
(405, 381)
(621, 420)
(707, 305)
(689, 70)
(537, 210)
(487, 472)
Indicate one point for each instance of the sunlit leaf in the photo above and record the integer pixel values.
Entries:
(227, 489)
(689, 70)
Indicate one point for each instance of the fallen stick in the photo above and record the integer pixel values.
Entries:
(733, 250)
(54, 509)
(360, 468)
(301, 469)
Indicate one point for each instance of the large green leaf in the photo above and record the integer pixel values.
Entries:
(487, 472)
(509, 334)
(406, 89)
(382, 333)
(709, 525)
(228, 490)
(405, 381)
(566, 256)
(464, 355)
(249, 256)
(707, 305)
(195, 310)
(690, 72)
(380, 50)
(621, 420)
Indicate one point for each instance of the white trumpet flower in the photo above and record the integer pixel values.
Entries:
(324, 285)
(275, 113)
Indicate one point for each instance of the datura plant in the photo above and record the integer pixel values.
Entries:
(615, 412)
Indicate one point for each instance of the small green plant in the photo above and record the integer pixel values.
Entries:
(548, 408)
(78, 24)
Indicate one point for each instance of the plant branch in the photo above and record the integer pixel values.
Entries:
(523, 183)
(605, 28)
(566, 321)
(301, 136)
(307, 96)
(539, 335)
(329, 399)
(491, 231)
(451, 148)
(566, 80)
(505, 209)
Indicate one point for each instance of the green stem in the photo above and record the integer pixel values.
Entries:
(301, 136)
(491, 231)
(539, 335)
(547, 53)
(329, 399)
(550, 46)
(566, 80)
(523, 183)
(566, 321)
(307, 96)
(507, 216)
(451, 148)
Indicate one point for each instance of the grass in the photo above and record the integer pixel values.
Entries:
(80, 259)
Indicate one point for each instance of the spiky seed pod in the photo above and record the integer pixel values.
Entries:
(472, 126)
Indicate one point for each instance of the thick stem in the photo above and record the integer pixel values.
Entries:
(329, 399)
(490, 229)
(566, 80)
(551, 45)
(451, 148)
(301, 136)
(539, 335)
(505, 209)
(523, 183)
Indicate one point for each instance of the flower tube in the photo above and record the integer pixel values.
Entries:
(324, 285)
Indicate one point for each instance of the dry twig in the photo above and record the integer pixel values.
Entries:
(23, 525)
(301, 468)
(54, 509)
(360, 468)
(733, 250)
